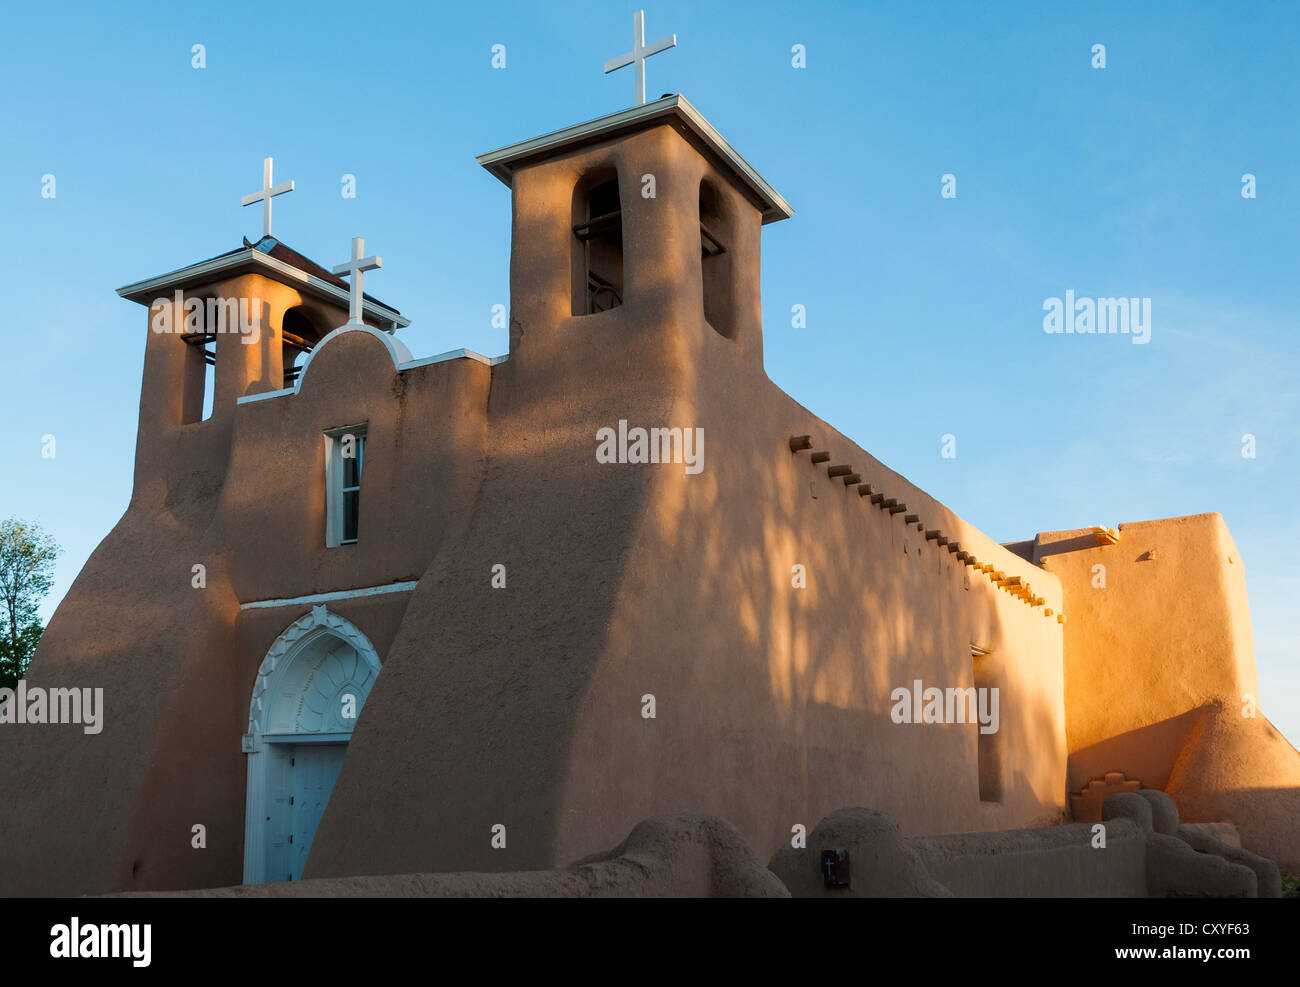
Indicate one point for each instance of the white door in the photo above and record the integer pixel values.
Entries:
(313, 769)
(309, 691)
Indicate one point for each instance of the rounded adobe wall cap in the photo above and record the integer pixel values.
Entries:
(854, 823)
(396, 348)
(1128, 805)
(1164, 811)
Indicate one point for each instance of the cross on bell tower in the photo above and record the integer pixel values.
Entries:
(266, 194)
(355, 266)
(639, 53)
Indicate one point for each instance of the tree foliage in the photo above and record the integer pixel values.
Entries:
(15, 657)
(27, 555)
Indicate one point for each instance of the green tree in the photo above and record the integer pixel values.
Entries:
(27, 557)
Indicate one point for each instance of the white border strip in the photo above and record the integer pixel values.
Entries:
(449, 355)
(342, 594)
(263, 396)
(461, 354)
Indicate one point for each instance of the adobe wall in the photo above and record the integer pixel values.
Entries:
(523, 706)
(473, 711)
(1169, 632)
(773, 702)
(424, 456)
(76, 817)
(1157, 664)
(114, 811)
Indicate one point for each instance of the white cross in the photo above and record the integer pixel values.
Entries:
(639, 53)
(354, 267)
(265, 195)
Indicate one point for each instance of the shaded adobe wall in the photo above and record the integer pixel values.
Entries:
(773, 703)
(420, 483)
(470, 719)
(88, 814)
(92, 813)
(424, 456)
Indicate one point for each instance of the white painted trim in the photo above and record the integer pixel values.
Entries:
(775, 206)
(219, 264)
(333, 507)
(263, 396)
(444, 357)
(461, 354)
(162, 281)
(305, 738)
(334, 489)
(342, 594)
(502, 161)
(397, 350)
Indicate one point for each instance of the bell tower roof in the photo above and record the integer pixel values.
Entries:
(271, 259)
(674, 110)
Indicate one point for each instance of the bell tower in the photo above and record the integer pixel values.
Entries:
(235, 325)
(642, 220)
(245, 318)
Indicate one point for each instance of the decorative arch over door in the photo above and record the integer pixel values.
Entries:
(309, 691)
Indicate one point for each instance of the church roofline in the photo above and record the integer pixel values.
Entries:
(253, 258)
(691, 124)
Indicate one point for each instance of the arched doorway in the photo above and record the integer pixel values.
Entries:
(309, 692)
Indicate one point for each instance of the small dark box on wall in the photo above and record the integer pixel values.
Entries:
(835, 868)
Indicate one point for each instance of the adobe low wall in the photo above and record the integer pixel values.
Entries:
(1054, 862)
(684, 856)
(1147, 853)
(1050, 862)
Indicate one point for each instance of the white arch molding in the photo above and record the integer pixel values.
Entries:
(299, 697)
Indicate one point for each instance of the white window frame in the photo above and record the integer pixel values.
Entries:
(334, 489)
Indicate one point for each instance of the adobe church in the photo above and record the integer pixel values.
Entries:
(374, 614)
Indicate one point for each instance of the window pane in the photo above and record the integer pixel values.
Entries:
(351, 504)
(352, 464)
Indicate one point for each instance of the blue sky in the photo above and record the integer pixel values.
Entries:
(924, 313)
